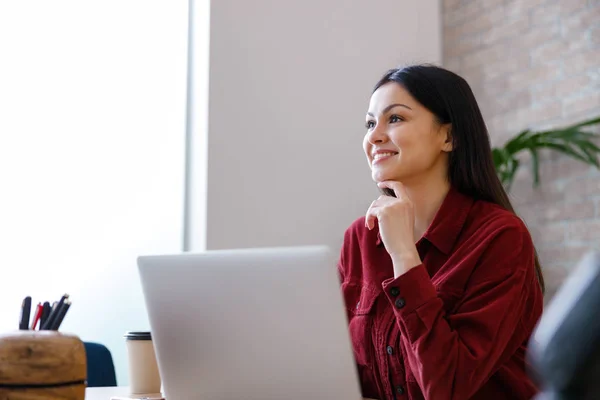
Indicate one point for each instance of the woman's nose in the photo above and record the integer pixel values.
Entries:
(377, 135)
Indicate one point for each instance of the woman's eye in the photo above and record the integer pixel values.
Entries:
(369, 124)
(395, 118)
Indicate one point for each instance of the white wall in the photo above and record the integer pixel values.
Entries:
(289, 88)
(92, 109)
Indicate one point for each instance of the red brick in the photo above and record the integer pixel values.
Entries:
(583, 188)
(565, 167)
(470, 27)
(554, 277)
(508, 124)
(494, 6)
(449, 5)
(595, 35)
(519, 7)
(551, 13)
(511, 100)
(489, 54)
(562, 255)
(458, 47)
(518, 119)
(558, 49)
(549, 234)
(506, 29)
(497, 129)
(569, 211)
(452, 63)
(536, 37)
(524, 192)
(545, 14)
(534, 76)
(517, 62)
(584, 231)
(582, 20)
(584, 103)
(462, 13)
(541, 113)
(473, 76)
(530, 213)
(562, 88)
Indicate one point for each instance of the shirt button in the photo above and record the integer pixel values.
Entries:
(390, 350)
(399, 389)
(399, 303)
(394, 291)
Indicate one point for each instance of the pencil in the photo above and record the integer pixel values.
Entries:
(54, 313)
(61, 315)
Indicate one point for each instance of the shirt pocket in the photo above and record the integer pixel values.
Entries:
(360, 306)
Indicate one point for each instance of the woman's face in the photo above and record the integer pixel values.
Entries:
(404, 142)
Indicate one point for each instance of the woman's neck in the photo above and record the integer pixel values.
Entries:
(427, 197)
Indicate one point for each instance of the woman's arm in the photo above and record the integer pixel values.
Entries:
(453, 355)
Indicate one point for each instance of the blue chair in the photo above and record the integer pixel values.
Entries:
(100, 366)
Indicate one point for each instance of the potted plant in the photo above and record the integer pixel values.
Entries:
(572, 141)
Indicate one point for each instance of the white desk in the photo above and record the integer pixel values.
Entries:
(105, 393)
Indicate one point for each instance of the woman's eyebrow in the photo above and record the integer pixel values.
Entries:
(388, 108)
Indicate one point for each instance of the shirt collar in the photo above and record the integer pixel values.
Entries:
(448, 221)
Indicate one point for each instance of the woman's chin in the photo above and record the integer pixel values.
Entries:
(380, 176)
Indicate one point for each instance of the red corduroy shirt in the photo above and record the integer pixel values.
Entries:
(454, 327)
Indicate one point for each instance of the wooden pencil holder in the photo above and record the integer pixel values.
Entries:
(37, 365)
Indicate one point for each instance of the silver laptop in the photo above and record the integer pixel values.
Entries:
(252, 324)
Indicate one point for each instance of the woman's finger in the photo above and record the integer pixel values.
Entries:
(370, 215)
(373, 210)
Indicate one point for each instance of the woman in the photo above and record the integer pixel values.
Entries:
(440, 278)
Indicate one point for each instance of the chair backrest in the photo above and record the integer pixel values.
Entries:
(100, 366)
(564, 351)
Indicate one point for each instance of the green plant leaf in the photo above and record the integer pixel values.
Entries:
(565, 149)
(589, 122)
(571, 141)
(535, 165)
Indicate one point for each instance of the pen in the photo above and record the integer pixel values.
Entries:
(51, 314)
(37, 315)
(61, 315)
(45, 313)
(54, 313)
(25, 311)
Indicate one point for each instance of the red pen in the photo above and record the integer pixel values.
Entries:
(37, 315)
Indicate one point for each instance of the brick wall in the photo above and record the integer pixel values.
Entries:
(536, 64)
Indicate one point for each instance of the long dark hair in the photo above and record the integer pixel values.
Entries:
(449, 97)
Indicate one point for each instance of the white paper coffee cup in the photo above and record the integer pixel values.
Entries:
(144, 377)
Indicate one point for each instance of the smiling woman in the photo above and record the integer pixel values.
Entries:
(440, 278)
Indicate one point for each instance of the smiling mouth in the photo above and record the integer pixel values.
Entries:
(382, 156)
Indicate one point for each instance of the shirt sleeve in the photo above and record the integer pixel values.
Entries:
(453, 355)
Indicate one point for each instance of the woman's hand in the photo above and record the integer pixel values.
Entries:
(396, 218)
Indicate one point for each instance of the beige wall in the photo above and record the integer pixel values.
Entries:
(536, 64)
(289, 86)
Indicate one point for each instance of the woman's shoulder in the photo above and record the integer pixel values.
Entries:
(491, 225)
(493, 216)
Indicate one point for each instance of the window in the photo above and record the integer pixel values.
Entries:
(92, 136)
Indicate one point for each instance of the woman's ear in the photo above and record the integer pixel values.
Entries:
(448, 145)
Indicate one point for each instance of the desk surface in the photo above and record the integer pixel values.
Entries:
(105, 393)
